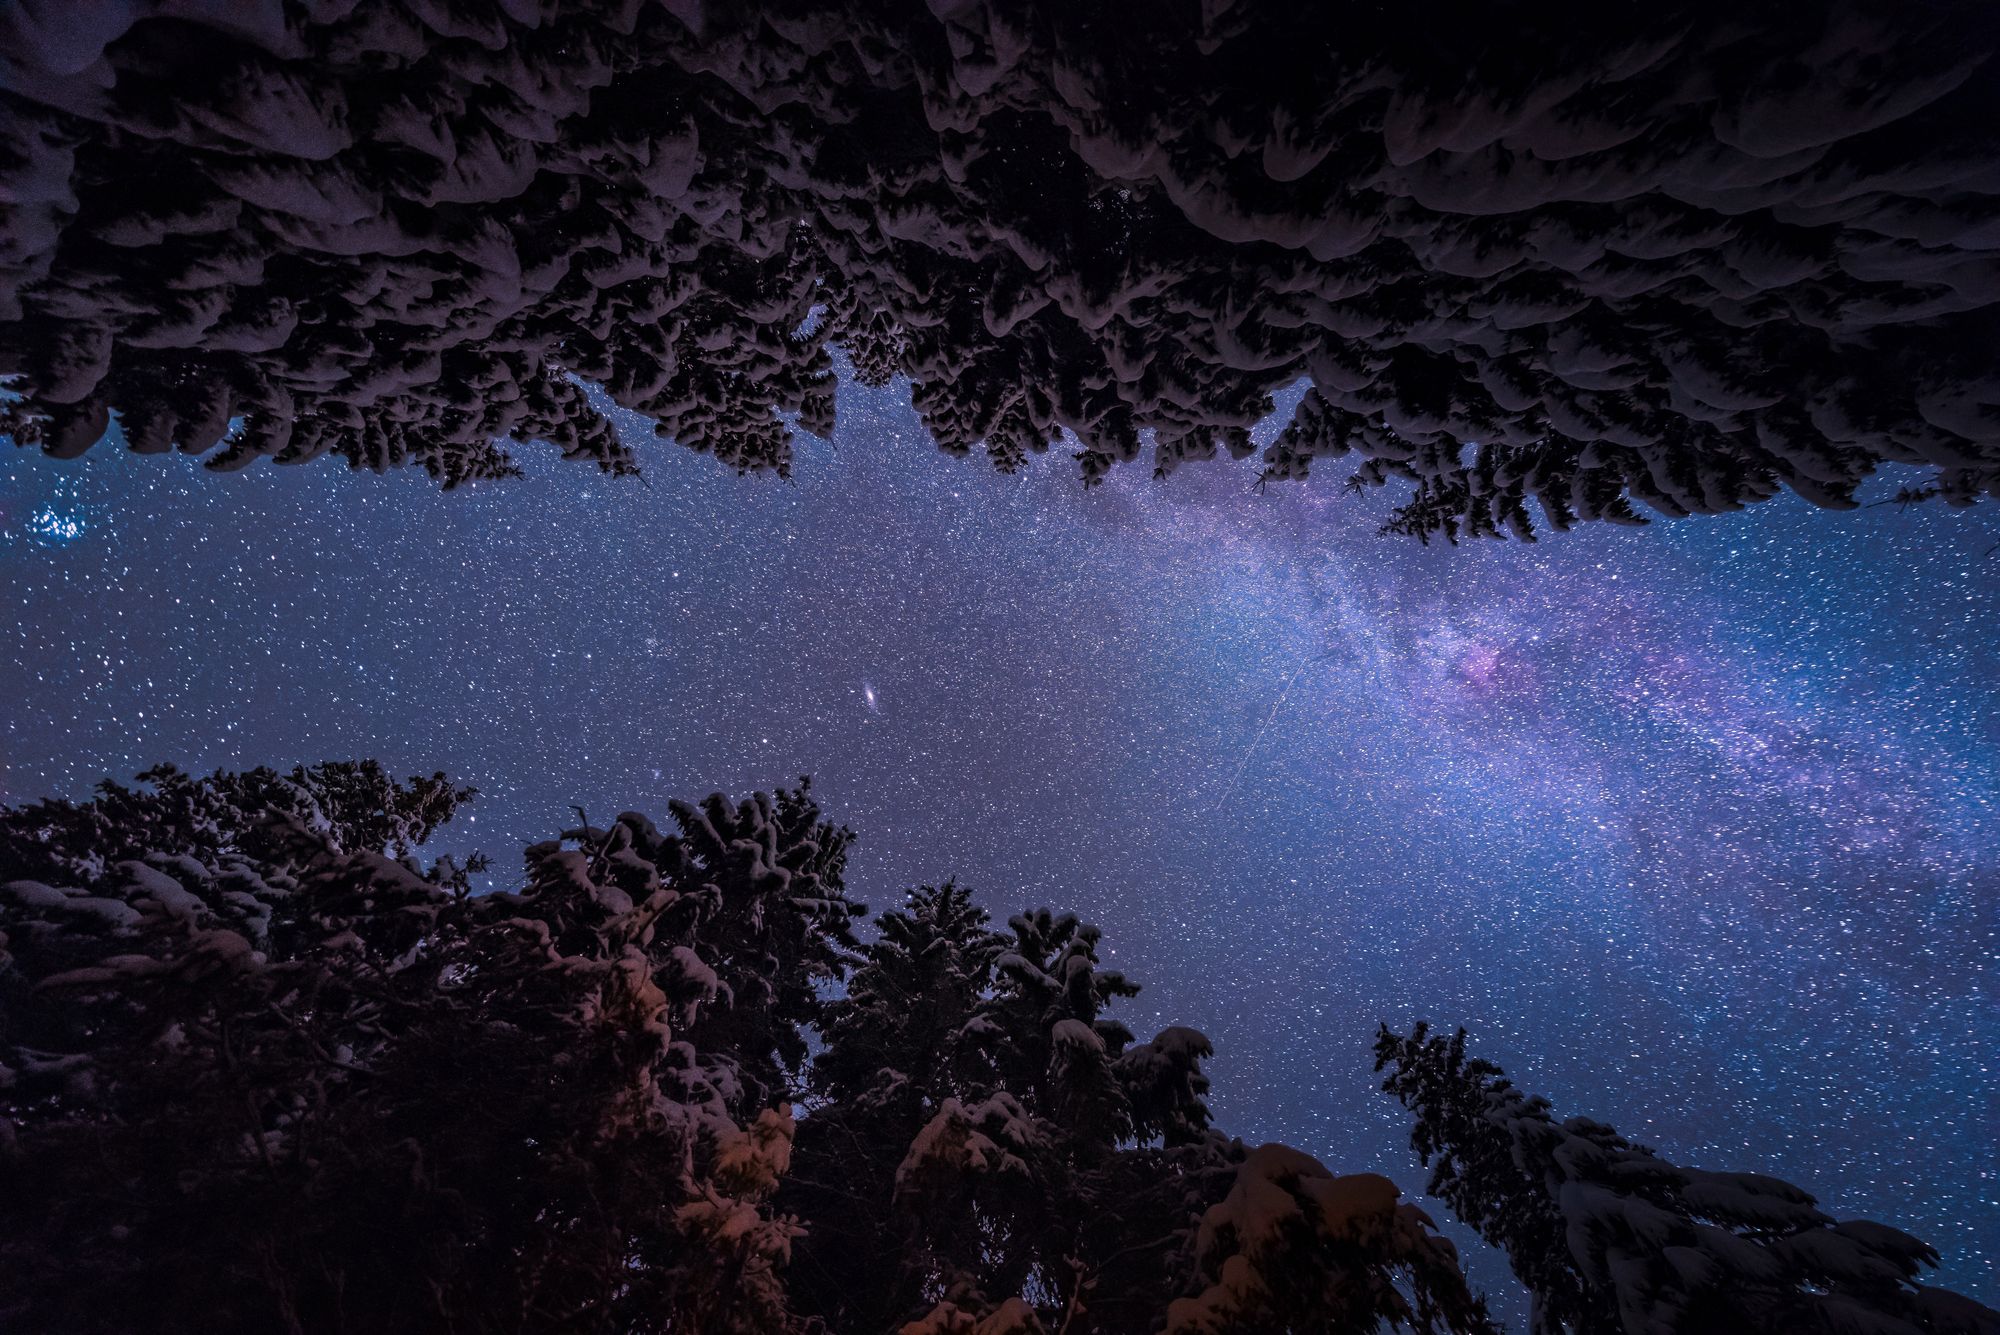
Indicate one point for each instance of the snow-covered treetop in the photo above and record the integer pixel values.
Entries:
(240, 1008)
(1590, 259)
(1611, 1237)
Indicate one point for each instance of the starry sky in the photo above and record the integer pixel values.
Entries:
(1694, 827)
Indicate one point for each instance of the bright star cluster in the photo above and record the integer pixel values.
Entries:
(1696, 828)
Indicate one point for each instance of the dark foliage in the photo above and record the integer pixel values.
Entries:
(1002, 1158)
(1593, 257)
(1611, 1238)
(355, 805)
(261, 1069)
(256, 1077)
(257, 1074)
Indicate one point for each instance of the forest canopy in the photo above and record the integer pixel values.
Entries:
(264, 1068)
(1537, 265)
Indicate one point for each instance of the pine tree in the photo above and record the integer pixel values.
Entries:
(261, 1079)
(1045, 1036)
(1294, 1248)
(1609, 1237)
(1539, 265)
(895, 1054)
(982, 1118)
(262, 1068)
(354, 804)
(1008, 1177)
(897, 1042)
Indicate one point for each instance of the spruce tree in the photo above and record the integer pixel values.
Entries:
(354, 804)
(1536, 265)
(1609, 1237)
(1295, 1248)
(1002, 1159)
(897, 1041)
(895, 1054)
(261, 1067)
(253, 1077)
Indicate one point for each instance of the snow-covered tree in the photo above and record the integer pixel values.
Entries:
(1294, 1248)
(355, 804)
(1045, 1035)
(895, 1055)
(261, 1078)
(1541, 265)
(1001, 1157)
(1609, 1237)
(263, 1068)
(897, 1042)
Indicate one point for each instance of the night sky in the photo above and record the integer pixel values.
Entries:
(1697, 828)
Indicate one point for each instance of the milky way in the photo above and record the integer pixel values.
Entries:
(1694, 828)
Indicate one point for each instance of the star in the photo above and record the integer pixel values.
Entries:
(1720, 795)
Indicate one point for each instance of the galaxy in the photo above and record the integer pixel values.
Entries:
(1694, 828)
(961, 668)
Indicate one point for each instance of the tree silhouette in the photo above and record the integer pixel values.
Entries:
(261, 1068)
(1609, 1237)
(265, 1078)
(1541, 265)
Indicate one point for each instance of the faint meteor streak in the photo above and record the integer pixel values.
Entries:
(1257, 738)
